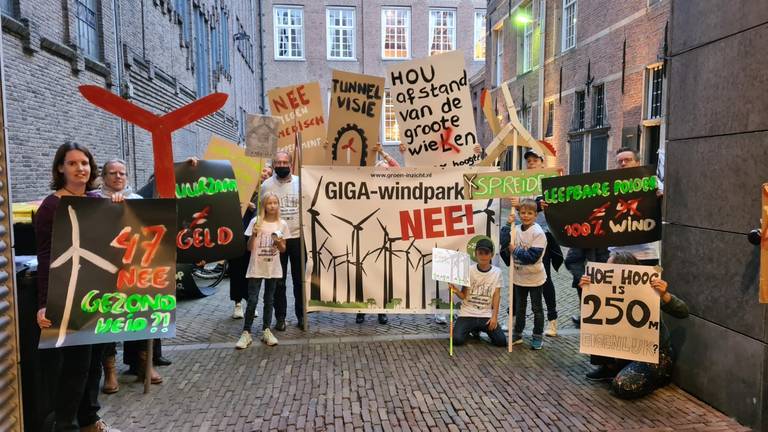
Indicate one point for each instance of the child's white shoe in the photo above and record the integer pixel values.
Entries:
(244, 341)
(238, 312)
(552, 329)
(268, 338)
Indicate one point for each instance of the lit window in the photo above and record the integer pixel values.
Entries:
(479, 47)
(550, 113)
(87, 27)
(289, 32)
(391, 131)
(569, 24)
(341, 33)
(442, 30)
(396, 29)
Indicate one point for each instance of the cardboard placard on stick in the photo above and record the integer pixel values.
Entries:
(433, 107)
(621, 312)
(247, 169)
(507, 184)
(111, 281)
(209, 225)
(605, 208)
(355, 117)
(299, 108)
(450, 266)
(261, 136)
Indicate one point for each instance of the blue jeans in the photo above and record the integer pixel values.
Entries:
(521, 303)
(464, 325)
(254, 286)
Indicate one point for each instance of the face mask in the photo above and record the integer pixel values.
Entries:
(282, 172)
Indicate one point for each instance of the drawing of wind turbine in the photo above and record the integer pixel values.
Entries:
(408, 265)
(356, 228)
(315, 280)
(75, 252)
(423, 261)
(489, 219)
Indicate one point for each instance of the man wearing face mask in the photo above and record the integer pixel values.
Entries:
(286, 187)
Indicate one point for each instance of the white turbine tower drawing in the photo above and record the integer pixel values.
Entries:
(75, 252)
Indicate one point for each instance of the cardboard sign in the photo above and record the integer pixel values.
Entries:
(299, 108)
(433, 107)
(369, 236)
(620, 312)
(605, 208)
(247, 169)
(353, 128)
(209, 224)
(450, 266)
(764, 248)
(261, 136)
(507, 184)
(111, 281)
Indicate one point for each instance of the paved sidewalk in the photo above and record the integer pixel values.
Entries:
(400, 385)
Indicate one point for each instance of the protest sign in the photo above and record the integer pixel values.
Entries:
(764, 248)
(261, 136)
(450, 266)
(299, 108)
(247, 169)
(111, 281)
(507, 184)
(385, 226)
(355, 117)
(606, 208)
(433, 107)
(209, 224)
(620, 312)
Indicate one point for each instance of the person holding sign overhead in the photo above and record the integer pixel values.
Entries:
(480, 300)
(75, 371)
(634, 379)
(286, 187)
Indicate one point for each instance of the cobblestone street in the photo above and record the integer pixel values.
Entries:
(399, 376)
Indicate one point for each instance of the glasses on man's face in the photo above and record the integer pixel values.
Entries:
(116, 174)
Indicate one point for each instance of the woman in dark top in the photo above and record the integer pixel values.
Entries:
(76, 371)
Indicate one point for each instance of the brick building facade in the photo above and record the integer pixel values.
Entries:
(365, 36)
(585, 75)
(160, 54)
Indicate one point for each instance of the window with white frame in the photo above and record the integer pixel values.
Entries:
(579, 109)
(391, 131)
(87, 27)
(289, 32)
(528, 39)
(341, 33)
(524, 115)
(499, 75)
(479, 45)
(569, 24)
(442, 30)
(395, 33)
(653, 102)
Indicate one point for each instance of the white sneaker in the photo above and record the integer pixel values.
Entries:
(441, 319)
(552, 329)
(268, 338)
(238, 312)
(244, 341)
(256, 313)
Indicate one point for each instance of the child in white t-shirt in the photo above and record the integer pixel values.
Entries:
(267, 233)
(529, 274)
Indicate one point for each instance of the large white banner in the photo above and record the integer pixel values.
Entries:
(369, 234)
(620, 312)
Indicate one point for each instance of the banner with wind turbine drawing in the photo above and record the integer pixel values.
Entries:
(111, 281)
(369, 234)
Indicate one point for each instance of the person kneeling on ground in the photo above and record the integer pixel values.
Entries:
(480, 301)
(634, 379)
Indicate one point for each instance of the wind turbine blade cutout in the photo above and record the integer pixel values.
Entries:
(75, 252)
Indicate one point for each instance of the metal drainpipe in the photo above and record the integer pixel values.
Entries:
(542, 53)
(120, 65)
(262, 92)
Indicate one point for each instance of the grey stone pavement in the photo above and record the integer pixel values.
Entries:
(343, 376)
